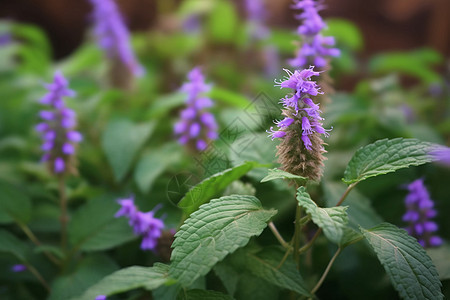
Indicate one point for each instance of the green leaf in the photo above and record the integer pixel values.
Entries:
(12, 245)
(280, 174)
(410, 269)
(153, 165)
(228, 275)
(386, 156)
(222, 22)
(215, 230)
(265, 265)
(441, 259)
(128, 279)
(89, 271)
(121, 142)
(229, 97)
(345, 32)
(165, 103)
(211, 186)
(349, 237)
(332, 220)
(198, 294)
(14, 204)
(93, 227)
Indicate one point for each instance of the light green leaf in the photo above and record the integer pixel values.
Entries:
(198, 294)
(89, 271)
(265, 265)
(229, 97)
(14, 204)
(128, 279)
(332, 220)
(10, 244)
(280, 174)
(386, 156)
(441, 259)
(165, 103)
(222, 22)
(93, 227)
(345, 32)
(121, 142)
(410, 269)
(215, 230)
(211, 186)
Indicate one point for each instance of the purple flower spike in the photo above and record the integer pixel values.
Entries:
(315, 48)
(18, 268)
(59, 138)
(441, 155)
(419, 212)
(113, 36)
(197, 127)
(100, 297)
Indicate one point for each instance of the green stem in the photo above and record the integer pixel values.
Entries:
(38, 276)
(288, 251)
(325, 273)
(311, 242)
(296, 238)
(36, 241)
(278, 235)
(63, 207)
(347, 191)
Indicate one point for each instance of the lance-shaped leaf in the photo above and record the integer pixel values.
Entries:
(332, 220)
(127, 279)
(215, 230)
(386, 156)
(280, 174)
(211, 186)
(410, 269)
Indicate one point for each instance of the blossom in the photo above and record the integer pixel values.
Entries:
(419, 212)
(18, 268)
(196, 126)
(57, 127)
(315, 47)
(256, 16)
(143, 223)
(113, 36)
(101, 297)
(442, 155)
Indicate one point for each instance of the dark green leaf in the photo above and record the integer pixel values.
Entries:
(215, 230)
(14, 204)
(198, 294)
(280, 174)
(410, 269)
(385, 156)
(10, 244)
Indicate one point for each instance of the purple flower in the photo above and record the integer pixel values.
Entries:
(100, 297)
(143, 223)
(303, 107)
(441, 155)
(196, 127)
(18, 268)
(315, 47)
(256, 16)
(419, 211)
(113, 36)
(56, 128)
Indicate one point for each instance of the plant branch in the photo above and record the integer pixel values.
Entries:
(296, 238)
(63, 207)
(311, 242)
(36, 241)
(325, 273)
(38, 276)
(278, 235)
(347, 191)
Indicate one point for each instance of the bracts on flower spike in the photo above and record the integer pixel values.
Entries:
(301, 149)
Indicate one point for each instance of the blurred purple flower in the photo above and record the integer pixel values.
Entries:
(5, 39)
(441, 155)
(419, 212)
(315, 48)
(113, 36)
(196, 126)
(56, 128)
(18, 268)
(100, 297)
(256, 16)
(143, 223)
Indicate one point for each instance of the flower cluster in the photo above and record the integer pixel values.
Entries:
(57, 128)
(256, 15)
(143, 223)
(419, 212)
(113, 36)
(442, 155)
(196, 126)
(301, 150)
(18, 268)
(315, 47)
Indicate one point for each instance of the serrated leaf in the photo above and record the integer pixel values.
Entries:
(198, 294)
(89, 271)
(410, 269)
(211, 186)
(93, 227)
(121, 141)
(10, 244)
(349, 237)
(332, 220)
(386, 156)
(265, 265)
(14, 204)
(127, 279)
(280, 174)
(217, 229)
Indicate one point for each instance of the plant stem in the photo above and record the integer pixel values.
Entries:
(278, 235)
(36, 241)
(347, 191)
(284, 257)
(296, 238)
(325, 273)
(311, 242)
(63, 206)
(38, 276)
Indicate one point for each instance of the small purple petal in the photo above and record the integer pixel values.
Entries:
(59, 165)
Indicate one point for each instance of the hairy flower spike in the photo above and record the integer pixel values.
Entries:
(57, 128)
(113, 36)
(197, 126)
(315, 48)
(301, 149)
(143, 223)
(419, 212)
